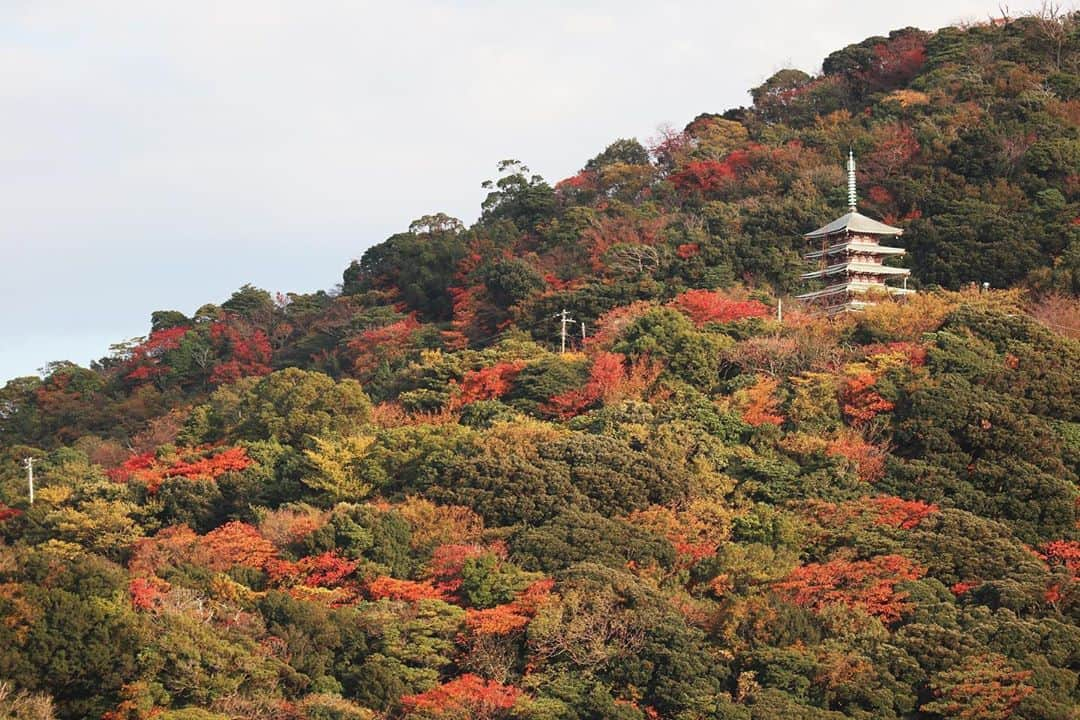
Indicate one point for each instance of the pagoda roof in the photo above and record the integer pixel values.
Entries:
(854, 222)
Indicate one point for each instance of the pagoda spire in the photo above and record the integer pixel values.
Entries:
(851, 195)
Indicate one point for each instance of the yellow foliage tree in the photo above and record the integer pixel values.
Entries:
(338, 467)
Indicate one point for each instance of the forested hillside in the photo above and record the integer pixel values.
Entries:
(400, 498)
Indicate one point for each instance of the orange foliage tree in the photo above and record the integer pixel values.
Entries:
(468, 696)
(237, 543)
(610, 380)
(199, 463)
(901, 513)
(486, 383)
(705, 306)
(512, 616)
(244, 350)
(866, 584)
(405, 590)
(860, 402)
(867, 458)
(760, 405)
(887, 510)
(982, 687)
(386, 344)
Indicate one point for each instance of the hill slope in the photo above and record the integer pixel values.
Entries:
(399, 499)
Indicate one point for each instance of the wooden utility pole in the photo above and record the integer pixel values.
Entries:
(28, 463)
(565, 319)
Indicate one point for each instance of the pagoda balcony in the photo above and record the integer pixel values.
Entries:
(855, 247)
(854, 288)
(852, 268)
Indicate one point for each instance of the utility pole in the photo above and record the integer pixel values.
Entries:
(583, 334)
(28, 463)
(565, 319)
(779, 310)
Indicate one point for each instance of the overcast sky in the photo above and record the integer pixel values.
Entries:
(158, 155)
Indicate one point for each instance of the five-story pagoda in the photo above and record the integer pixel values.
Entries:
(849, 260)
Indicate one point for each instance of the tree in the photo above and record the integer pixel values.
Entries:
(467, 696)
(982, 687)
(866, 584)
(524, 199)
(705, 306)
(418, 267)
(338, 466)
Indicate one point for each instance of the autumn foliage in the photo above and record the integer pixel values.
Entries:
(487, 383)
(611, 378)
(900, 513)
(706, 306)
(869, 585)
(982, 687)
(237, 543)
(860, 402)
(510, 617)
(406, 590)
(203, 463)
(467, 696)
(386, 344)
(867, 458)
(244, 350)
(760, 405)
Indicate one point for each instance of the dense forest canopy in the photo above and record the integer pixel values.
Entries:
(399, 499)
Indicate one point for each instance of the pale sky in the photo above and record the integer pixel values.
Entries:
(158, 155)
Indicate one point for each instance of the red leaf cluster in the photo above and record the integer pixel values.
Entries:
(866, 584)
(237, 543)
(146, 358)
(708, 177)
(868, 458)
(200, 463)
(963, 587)
(886, 510)
(900, 513)
(688, 250)
(610, 379)
(386, 344)
(1064, 552)
(6, 513)
(146, 592)
(486, 383)
(326, 570)
(896, 62)
(860, 402)
(514, 615)
(406, 590)
(244, 351)
(705, 306)
(467, 696)
(760, 403)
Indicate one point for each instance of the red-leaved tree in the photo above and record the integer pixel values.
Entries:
(705, 306)
(866, 584)
(467, 696)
